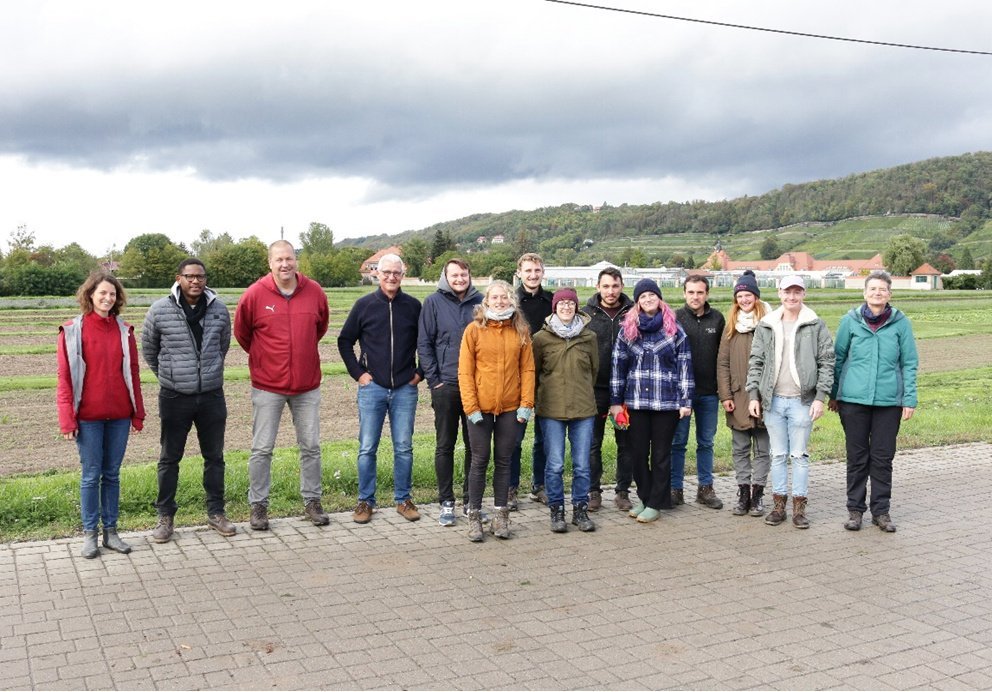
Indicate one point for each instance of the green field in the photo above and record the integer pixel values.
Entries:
(955, 400)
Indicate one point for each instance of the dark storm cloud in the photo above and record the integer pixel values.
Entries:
(763, 122)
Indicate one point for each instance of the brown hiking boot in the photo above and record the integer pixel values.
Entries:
(512, 503)
(363, 513)
(884, 522)
(259, 520)
(315, 513)
(408, 510)
(220, 524)
(475, 526)
(799, 519)
(706, 496)
(777, 515)
(622, 501)
(595, 500)
(500, 525)
(678, 497)
(163, 532)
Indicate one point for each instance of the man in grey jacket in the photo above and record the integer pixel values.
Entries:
(184, 340)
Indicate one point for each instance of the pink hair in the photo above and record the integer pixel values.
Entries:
(631, 322)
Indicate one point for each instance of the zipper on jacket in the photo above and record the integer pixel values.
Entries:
(392, 380)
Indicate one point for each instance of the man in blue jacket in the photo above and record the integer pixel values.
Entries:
(443, 319)
(184, 340)
(384, 324)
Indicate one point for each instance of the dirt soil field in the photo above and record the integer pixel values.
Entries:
(30, 443)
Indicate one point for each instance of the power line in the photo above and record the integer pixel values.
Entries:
(767, 30)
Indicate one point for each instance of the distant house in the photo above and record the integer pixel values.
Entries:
(481, 240)
(840, 273)
(497, 240)
(369, 268)
(925, 278)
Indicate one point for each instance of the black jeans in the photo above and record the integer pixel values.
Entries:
(501, 433)
(624, 477)
(651, 434)
(446, 401)
(870, 436)
(180, 412)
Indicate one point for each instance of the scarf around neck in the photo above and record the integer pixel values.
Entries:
(875, 322)
(566, 331)
(650, 324)
(194, 317)
(746, 322)
(499, 316)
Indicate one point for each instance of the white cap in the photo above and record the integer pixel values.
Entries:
(790, 281)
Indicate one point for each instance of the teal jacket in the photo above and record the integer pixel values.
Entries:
(875, 368)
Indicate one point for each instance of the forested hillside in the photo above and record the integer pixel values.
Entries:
(954, 192)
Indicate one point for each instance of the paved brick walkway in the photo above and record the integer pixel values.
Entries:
(700, 599)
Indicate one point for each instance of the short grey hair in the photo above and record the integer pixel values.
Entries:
(392, 258)
(880, 276)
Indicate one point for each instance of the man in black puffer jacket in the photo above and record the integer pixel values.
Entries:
(184, 340)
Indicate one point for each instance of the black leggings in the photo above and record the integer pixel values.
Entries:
(650, 438)
(501, 433)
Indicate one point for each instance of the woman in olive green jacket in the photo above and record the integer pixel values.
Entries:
(566, 360)
(874, 391)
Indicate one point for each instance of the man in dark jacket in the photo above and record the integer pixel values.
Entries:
(384, 324)
(703, 326)
(607, 308)
(184, 341)
(279, 323)
(443, 319)
(535, 304)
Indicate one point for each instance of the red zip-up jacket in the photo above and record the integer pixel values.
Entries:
(280, 334)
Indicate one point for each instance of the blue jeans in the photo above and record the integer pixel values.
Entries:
(705, 409)
(789, 426)
(579, 433)
(101, 446)
(537, 458)
(374, 402)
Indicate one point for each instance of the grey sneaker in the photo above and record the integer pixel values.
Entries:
(220, 524)
(163, 532)
(315, 513)
(483, 514)
(447, 515)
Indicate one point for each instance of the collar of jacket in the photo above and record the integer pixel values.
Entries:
(806, 316)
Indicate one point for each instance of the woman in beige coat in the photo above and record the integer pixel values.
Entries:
(750, 438)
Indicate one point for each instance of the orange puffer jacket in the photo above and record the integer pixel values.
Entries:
(495, 371)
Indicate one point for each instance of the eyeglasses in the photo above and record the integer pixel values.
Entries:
(383, 272)
(567, 304)
(194, 277)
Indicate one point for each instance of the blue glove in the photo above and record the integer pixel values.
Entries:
(475, 417)
(524, 413)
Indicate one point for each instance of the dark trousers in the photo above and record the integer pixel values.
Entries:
(499, 435)
(446, 401)
(624, 478)
(651, 434)
(870, 436)
(179, 413)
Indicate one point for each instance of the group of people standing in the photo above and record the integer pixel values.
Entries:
(494, 361)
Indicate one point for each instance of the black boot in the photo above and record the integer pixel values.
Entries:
(743, 501)
(580, 517)
(757, 500)
(558, 524)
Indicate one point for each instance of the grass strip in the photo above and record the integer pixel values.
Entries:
(953, 410)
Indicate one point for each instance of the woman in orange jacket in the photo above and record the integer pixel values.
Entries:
(496, 379)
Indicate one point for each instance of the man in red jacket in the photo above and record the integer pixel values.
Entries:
(279, 321)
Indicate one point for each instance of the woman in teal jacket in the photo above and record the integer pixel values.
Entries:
(874, 391)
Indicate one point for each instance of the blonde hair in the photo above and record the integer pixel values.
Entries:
(518, 320)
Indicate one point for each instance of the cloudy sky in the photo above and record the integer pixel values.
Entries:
(121, 118)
